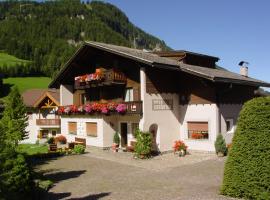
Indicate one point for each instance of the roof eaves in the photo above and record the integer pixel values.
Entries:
(120, 53)
(242, 82)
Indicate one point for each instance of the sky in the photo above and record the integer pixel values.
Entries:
(231, 30)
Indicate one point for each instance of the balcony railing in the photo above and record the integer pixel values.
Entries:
(134, 107)
(112, 108)
(48, 122)
(108, 77)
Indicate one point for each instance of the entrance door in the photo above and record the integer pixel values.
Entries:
(123, 132)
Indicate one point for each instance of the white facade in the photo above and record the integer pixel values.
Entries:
(34, 130)
(162, 110)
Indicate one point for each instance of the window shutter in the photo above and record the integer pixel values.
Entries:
(72, 128)
(198, 126)
(91, 129)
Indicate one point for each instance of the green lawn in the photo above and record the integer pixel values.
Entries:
(33, 149)
(25, 83)
(9, 60)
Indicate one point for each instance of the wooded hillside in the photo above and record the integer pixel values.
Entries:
(48, 33)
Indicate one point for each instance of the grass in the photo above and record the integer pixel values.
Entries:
(10, 61)
(25, 83)
(33, 149)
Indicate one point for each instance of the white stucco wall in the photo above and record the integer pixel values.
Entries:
(229, 111)
(200, 113)
(81, 129)
(167, 120)
(66, 95)
(33, 129)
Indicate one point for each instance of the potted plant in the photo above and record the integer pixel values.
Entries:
(220, 146)
(180, 148)
(143, 144)
(116, 142)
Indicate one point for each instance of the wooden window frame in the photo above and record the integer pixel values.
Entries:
(89, 134)
(75, 133)
(201, 133)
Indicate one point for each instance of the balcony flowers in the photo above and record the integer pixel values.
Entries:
(121, 108)
(88, 108)
(180, 148)
(111, 106)
(104, 110)
(91, 108)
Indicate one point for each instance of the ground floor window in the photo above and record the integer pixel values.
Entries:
(91, 129)
(72, 128)
(198, 130)
(44, 134)
(229, 125)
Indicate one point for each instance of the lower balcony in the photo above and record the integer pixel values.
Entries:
(48, 122)
(112, 108)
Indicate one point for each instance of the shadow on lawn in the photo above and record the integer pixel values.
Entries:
(54, 196)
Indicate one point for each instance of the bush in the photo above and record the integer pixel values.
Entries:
(143, 144)
(220, 145)
(116, 138)
(15, 178)
(247, 170)
(79, 149)
(50, 140)
(62, 139)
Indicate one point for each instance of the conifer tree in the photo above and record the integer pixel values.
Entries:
(14, 119)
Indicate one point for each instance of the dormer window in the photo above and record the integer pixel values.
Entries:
(129, 94)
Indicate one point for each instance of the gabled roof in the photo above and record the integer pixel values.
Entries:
(215, 75)
(32, 98)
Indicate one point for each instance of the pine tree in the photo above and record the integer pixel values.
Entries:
(14, 119)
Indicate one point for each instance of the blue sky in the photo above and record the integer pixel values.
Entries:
(231, 30)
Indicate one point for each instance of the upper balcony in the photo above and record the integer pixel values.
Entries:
(100, 78)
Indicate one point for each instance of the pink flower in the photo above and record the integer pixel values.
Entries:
(121, 108)
(104, 110)
(88, 108)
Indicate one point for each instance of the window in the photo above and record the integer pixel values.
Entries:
(129, 94)
(198, 130)
(91, 129)
(229, 125)
(72, 128)
(44, 133)
(134, 127)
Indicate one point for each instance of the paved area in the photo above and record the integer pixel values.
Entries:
(107, 175)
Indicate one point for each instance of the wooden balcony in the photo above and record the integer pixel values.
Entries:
(48, 122)
(134, 107)
(109, 77)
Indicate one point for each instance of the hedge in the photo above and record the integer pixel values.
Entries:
(247, 169)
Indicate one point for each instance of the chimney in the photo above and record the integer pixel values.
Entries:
(243, 68)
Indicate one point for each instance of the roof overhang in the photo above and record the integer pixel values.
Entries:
(179, 67)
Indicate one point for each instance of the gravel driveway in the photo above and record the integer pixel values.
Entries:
(106, 175)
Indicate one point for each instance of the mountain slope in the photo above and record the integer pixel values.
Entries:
(49, 32)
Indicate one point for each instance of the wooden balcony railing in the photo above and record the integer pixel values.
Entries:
(108, 77)
(48, 122)
(134, 107)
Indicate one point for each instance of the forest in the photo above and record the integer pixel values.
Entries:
(47, 33)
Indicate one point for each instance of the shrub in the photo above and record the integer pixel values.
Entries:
(62, 139)
(143, 144)
(247, 170)
(220, 145)
(15, 178)
(79, 149)
(50, 140)
(116, 138)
